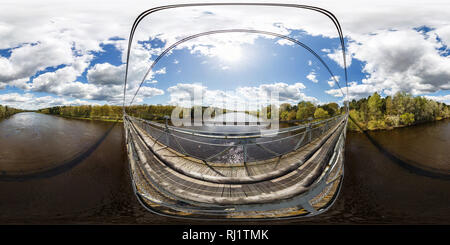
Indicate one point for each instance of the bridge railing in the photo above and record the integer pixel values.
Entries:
(235, 147)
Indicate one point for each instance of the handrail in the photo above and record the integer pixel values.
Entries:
(167, 137)
(227, 135)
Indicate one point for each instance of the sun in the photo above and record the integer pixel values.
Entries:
(229, 53)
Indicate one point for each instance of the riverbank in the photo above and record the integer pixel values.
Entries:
(352, 127)
(399, 111)
(105, 113)
(103, 119)
(6, 111)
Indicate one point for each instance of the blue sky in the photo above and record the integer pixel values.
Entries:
(263, 62)
(73, 54)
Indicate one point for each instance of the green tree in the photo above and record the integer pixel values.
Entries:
(331, 108)
(284, 115)
(354, 120)
(305, 110)
(374, 105)
(389, 106)
(407, 118)
(285, 107)
(320, 113)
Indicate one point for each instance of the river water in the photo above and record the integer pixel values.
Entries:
(61, 171)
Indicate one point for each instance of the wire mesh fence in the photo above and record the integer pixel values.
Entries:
(235, 147)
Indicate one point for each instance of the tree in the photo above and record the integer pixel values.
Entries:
(374, 105)
(353, 105)
(354, 121)
(284, 115)
(407, 118)
(305, 110)
(389, 106)
(320, 113)
(331, 108)
(285, 107)
(291, 115)
(364, 110)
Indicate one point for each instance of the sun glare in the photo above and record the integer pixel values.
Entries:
(229, 53)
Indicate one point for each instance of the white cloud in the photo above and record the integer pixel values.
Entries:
(355, 91)
(337, 57)
(106, 73)
(15, 97)
(285, 42)
(105, 83)
(312, 77)
(403, 60)
(28, 59)
(31, 102)
(52, 81)
(333, 81)
(161, 71)
(51, 33)
(251, 97)
(150, 92)
(441, 98)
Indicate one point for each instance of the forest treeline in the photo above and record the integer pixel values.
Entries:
(109, 112)
(288, 112)
(402, 109)
(306, 110)
(370, 113)
(94, 112)
(374, 112)
(6, 111)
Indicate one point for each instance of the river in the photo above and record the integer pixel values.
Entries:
(62, 171)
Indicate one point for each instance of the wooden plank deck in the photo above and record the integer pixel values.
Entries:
(200, 191)
(233, 173)
(163, 190)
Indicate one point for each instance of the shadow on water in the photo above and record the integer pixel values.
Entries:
(61, 167)
(406, 164)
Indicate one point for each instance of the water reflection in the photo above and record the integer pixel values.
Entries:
(235, 122)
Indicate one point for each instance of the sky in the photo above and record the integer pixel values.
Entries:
(74, 52)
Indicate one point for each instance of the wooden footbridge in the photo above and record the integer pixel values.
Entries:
(295, 171)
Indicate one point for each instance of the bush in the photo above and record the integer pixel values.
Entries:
(392, 121)
(354, 115)
(376, 124)
(407, 118)
(320, 113)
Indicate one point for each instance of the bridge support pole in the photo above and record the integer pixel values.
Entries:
(166, 124)
(309, 129)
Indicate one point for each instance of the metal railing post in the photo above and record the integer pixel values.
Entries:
(166, 119)
(309, 129)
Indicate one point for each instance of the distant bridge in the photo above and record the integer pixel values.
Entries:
(295, 171)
